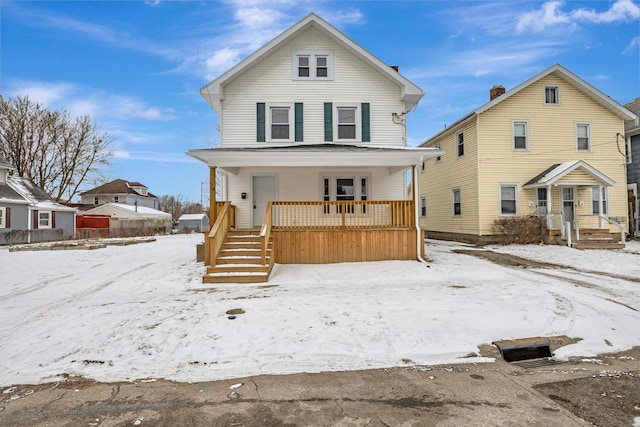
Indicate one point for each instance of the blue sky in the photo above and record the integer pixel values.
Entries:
(136, 67)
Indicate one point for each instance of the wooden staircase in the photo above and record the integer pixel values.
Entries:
(239, 259)
(596, 238)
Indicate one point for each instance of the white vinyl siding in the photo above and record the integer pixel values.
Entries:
(270, 81)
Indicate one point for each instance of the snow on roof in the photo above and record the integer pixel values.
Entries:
(25, 191)
(142, 211)
(187, 217)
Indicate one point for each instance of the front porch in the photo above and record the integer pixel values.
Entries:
(310, 232)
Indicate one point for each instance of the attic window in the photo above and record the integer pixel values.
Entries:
(312, 65)
(551, 95)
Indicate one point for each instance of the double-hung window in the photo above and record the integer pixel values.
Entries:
(96, 201)
(508, 199)
(551, 95)
(598, 204)
(347, 123)
(457, 202)
(312, 64)
(44, 219)
(423, 206)
(280, 123)
(541, 201)
(460, 143)
(583, 136)
(520, 135)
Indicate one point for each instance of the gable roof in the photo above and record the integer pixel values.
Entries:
(4, 164)
(556, 172)
(21, 190)
(140, 211)
(118, 186)
(213, 92)
(190, 217)
(567, 76)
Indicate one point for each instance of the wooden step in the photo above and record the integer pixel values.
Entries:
(236, 277)
(597, 245)
(238, 268)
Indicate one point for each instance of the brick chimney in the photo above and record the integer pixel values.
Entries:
(395, 67)
(496, 91)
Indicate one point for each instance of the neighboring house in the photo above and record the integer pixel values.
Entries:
(313, 151)
(28, 214)
(188, 223)
(120, 191)
(132, 220)
(632, 134)
(549, 146)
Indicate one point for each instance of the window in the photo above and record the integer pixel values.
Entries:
(116, 199)
(460, 141)
(508, 199)
(551, 95)
(346, 123)
(44, 219)
(326, 193)
(312, 64)
(595, 201)
(363, 192)
(280, 122)
(457, 205)
(520, 135)
(345, 191)
(96, 201)
(541, 201)
(438, 158)
(3, 217)
(423, 206)
(583, 137)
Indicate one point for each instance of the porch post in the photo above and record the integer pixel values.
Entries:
(213, 208)
(601, 202)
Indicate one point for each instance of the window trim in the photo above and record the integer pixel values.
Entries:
(526, 135)
(458, 144)
(538, 200)
(269, 122)
(423, 206)
(358, 122)
(603, 205)
(313, 56)
(3, 217)
(557, 90)
(453, 201)
(516, 188)
(48, 224)
(589, 139)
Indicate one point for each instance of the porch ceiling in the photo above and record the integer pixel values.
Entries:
(554, 173)
(319, 155)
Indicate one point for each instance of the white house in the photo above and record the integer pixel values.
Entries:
(313, 133)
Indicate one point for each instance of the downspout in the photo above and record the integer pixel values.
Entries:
(419, 239)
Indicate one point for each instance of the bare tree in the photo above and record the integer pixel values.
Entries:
(171, 204)
(56, 151)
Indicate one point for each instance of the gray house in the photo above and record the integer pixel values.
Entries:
(28, 214)
(193, 222)
(632, 133)
(120, 191)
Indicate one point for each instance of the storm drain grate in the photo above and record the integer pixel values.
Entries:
(527, 352)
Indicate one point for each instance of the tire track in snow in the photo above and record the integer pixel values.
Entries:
(16, 328)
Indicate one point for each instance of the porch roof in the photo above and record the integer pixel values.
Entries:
(318, 155)
(554, 173)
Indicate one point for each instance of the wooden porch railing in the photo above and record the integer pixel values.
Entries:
(232, 214)
(370, 214)
(265, 231)
(217, 234)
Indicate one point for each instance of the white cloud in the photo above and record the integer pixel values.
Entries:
(221, 60)
(635, 44)
(47, 94)
(550, 15)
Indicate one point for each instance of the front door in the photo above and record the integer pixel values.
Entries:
(568, 204)
(263, 190)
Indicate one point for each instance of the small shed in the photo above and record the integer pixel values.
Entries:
(134, 220)
(188, 223)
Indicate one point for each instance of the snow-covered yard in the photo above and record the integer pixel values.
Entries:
(140, 311)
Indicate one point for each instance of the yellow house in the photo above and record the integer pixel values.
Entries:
(552, 146)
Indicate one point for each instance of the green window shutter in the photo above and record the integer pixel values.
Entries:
(366, 123)
(328, 122)
(298, 122)
(260, 114)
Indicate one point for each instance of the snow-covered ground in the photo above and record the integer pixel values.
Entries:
(141, 311)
